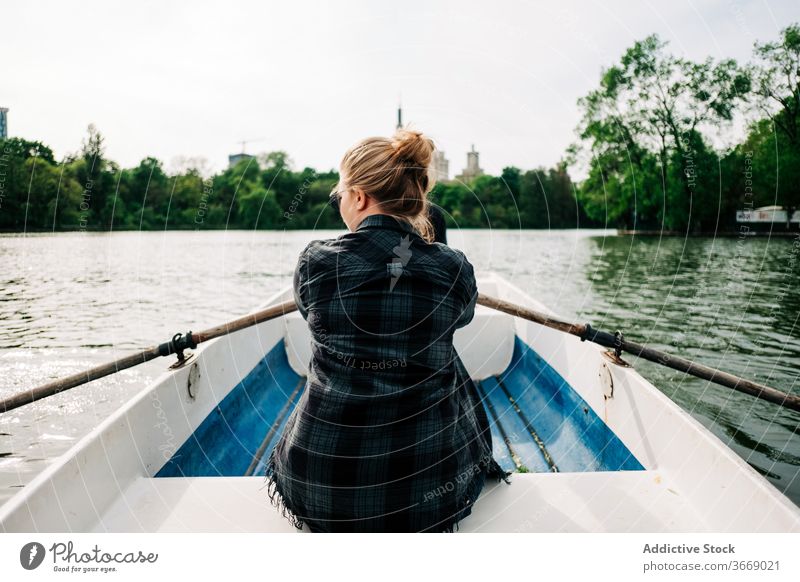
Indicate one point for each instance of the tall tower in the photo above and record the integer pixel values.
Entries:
(399, 115)
(3, 122)
(441, 166)
(473, 169)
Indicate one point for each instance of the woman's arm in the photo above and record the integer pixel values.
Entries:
(471, 292)
(298, 284)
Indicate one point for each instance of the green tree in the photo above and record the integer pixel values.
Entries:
(259, 209)
(776, 79)
(20, 162)
(654, 102)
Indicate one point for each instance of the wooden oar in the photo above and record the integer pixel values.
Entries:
(584, 331)
(617, 342)
(175, 346)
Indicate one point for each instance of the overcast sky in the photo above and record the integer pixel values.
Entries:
(192, 79)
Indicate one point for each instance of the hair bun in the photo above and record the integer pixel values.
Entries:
(413, 147)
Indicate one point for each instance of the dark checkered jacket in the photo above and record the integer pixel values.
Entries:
(389, 434)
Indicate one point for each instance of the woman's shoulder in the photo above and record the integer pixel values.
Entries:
(318, 247)
(450, 254)
(450, 266)
(315, 254)
(321, 255)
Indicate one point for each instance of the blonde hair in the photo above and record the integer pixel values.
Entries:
(396, 173)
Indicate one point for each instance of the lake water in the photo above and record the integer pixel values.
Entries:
(74, 300)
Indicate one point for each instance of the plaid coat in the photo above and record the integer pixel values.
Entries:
(390, 433)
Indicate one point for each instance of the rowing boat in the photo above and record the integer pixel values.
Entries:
(593, 445)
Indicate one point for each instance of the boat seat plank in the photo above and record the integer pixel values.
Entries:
(617, 501)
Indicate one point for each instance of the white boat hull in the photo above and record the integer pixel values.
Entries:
(685, 480)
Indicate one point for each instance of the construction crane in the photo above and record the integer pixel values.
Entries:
(244, 142)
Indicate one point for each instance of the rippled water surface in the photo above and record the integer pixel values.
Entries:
(69, 301)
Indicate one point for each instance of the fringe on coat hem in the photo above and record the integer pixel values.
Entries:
(276, 496)
(491, 470)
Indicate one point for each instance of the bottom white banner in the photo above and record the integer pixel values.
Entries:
(397, 556)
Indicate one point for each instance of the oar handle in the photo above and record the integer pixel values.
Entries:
(175, 345)
(588, 333)
(531, 315)
(246, 321)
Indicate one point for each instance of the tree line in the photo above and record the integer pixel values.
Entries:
(652, 136)
(87, 191)
(651, 143)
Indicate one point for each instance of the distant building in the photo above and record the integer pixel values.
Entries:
(768, 218)
(3, 122)
(441, 167)
(234, 159)
(473, 169)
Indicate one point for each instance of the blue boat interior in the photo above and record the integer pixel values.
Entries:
(539, 422)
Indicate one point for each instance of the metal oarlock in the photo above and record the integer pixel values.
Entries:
(177, 345)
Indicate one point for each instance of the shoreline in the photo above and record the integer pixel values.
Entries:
(708, 234)
(600, 230)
